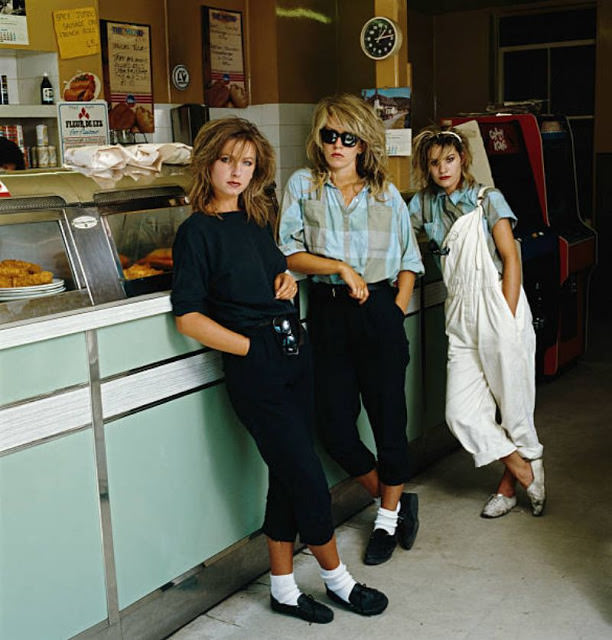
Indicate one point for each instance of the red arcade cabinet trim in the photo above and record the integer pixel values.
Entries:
(533, 144)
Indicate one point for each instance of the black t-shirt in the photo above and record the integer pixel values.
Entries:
(225, 268)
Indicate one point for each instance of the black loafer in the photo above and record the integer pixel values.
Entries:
(363, 600)
(380, 547)
(307, 609)
(408, 520)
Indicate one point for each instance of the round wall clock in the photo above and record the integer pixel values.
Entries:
(380, 38)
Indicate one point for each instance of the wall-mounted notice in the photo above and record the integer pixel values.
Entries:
(128, 85)
(77, 32)
(393, 106)
(13, 22)
(224, 81)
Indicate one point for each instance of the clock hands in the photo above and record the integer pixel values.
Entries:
(384, 34)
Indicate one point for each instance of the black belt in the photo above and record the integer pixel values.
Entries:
(324, 290)
(269, 321)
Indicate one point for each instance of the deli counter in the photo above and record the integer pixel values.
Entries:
(117, 439)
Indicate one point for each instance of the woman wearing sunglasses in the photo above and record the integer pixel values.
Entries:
(231, 292)
(344, 224)
(491, 341)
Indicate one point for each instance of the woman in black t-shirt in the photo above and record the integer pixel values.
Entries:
(231, 292)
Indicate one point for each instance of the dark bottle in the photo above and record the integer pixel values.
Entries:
(4, 97)
(46, 90)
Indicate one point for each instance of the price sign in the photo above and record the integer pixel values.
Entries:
(77, 32)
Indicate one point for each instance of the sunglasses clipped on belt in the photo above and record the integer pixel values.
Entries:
(329, 136)
(437, 250)
(288, 340)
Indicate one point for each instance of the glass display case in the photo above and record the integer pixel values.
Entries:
(86, 246)
(141, 228)
(39, 269)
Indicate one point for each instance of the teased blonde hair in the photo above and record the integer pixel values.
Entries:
(358, 117)
(207, 149)
(435, 136)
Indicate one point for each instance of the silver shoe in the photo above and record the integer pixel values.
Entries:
(536, 490)
(498, 505)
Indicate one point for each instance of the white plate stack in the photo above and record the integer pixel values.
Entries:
(33, 291)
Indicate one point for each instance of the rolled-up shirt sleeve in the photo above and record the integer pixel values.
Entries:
(291, 226)
(496, 207)
(411, 259)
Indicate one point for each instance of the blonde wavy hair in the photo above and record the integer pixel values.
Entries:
(430, 137)
(207, 149)
(358, 117)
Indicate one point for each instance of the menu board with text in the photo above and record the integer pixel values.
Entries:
(128, 85)
(224, 77)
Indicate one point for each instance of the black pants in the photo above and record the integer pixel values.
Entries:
(272, 394)
(360, 354)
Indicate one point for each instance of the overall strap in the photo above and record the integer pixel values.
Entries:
(426, 207)
(482, 192)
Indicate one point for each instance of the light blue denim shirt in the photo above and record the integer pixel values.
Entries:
(435, 213)
(374, 237)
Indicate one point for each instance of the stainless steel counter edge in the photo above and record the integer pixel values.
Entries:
(30, 331)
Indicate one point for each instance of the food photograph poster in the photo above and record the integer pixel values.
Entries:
(128, 85)
(224, 78)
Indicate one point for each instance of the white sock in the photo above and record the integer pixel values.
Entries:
(387, 519)
(339, 580)
(284, 589)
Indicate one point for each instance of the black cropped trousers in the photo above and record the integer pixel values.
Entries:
(272, 394)
(360, 355)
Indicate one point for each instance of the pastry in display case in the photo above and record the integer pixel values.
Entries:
(142, 232)
(38, 270)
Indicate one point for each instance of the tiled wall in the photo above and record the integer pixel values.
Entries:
(24, 71)
(285, 125)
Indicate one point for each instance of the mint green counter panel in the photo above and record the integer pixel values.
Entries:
(436, 345)
(42, 367)
(413, 388)
(185, 482)
(141, 342)
(51, 561)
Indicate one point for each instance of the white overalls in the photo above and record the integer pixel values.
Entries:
(491, 353)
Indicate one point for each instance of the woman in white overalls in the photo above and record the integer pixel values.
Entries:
(491, 341)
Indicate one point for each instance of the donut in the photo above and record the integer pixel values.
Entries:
(121, 117)
(144, 120)
(238, 96)
(217, 94)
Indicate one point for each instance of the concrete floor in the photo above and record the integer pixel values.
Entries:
(466, 578)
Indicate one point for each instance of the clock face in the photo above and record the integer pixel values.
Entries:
(380, 38)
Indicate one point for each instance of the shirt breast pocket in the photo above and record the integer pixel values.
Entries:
(382, 245)
(315, 227)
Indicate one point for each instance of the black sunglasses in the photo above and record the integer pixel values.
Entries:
(288, 340)
(329, 136)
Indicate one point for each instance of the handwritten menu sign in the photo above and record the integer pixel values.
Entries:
(126, 61)
(77, 32)
(224, 80)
